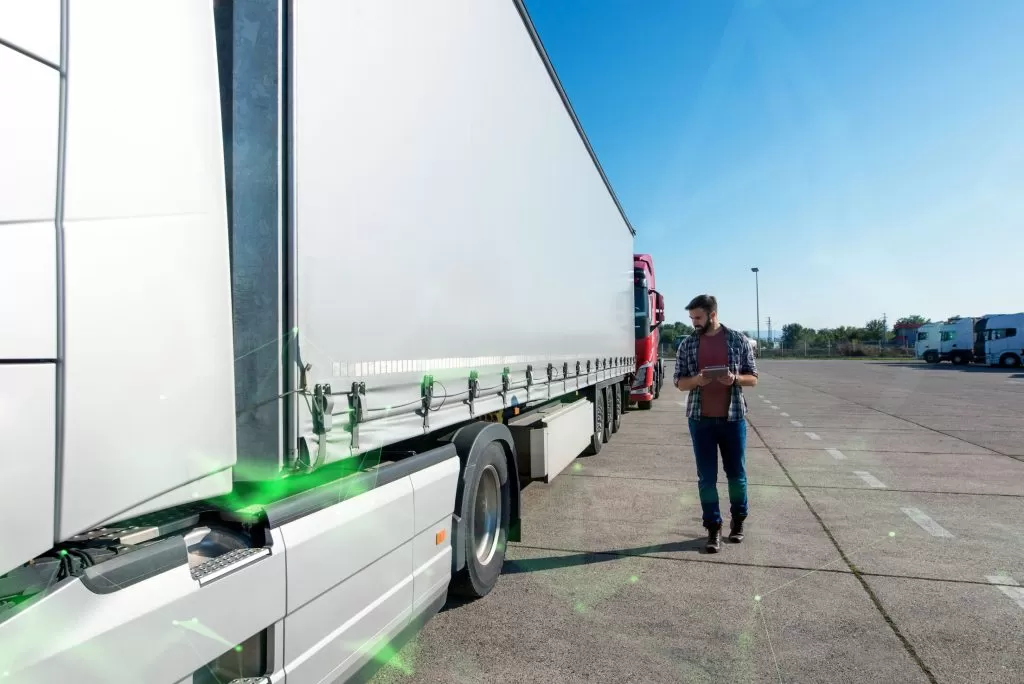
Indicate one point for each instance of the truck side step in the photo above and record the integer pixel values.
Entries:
(251, 680)
(218, 567)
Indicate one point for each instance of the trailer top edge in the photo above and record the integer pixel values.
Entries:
(538, 43)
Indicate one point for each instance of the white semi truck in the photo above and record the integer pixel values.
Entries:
(296, 295)
(999, 340)
(951, 341)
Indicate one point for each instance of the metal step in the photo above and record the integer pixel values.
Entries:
(231, 561)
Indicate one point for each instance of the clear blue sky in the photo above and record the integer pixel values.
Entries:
(868, 156)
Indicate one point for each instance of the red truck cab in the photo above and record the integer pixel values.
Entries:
(649, 314)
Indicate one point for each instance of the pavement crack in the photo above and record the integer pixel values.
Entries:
(911, 651)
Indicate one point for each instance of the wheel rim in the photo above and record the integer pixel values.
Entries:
(487, 515)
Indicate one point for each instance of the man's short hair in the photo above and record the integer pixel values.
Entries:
(704, 301)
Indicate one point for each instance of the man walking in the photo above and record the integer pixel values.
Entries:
(713, 364)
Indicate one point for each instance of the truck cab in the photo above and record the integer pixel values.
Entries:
(999, 340)
(951, 341)
(648, 315)
(956, 341)
(927, 345)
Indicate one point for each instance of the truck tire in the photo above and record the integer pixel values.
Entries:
(485, 512)
(616, 392)
(958, 358)
(931, 357)
(1009, 360)
(644, 405)
(606, 398)
(658, 373)
(597, 437)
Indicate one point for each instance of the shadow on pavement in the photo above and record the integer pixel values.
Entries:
(515, 567)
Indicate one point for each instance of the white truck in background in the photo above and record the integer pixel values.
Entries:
(999, 340)
(298, 295)
(951, 341)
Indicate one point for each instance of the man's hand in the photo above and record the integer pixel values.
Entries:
(701, 380)
(727, 379)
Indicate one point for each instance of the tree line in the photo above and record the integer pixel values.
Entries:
(874, 331)
(794, 334)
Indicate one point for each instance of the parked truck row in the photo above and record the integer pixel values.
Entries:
(993, 340)
(299, 296)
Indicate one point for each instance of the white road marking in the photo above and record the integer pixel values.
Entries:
(1008, 586)
(869, 478)
(796, 423)
(775, 407)
(836, 454)
(760, 396)
(927, 524)
(813, 436)
(767, 401)
(784, 414)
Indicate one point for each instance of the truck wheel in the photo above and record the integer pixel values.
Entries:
(606, 398)
(597, 438)
(616, 391)
(644, 405)
(931, 357)
(957, 359)
(486, 506)
(1009, 361)
(657, 383)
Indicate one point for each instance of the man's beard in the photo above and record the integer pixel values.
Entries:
(703, 329)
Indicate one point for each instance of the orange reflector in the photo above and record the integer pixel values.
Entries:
(440, 537)
(515, 411)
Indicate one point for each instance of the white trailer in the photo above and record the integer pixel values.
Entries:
(298, 294)
(999, 340)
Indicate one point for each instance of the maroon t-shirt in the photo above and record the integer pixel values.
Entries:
(713, 350)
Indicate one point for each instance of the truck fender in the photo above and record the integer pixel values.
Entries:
(469, 441)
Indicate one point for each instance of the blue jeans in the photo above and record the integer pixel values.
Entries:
(709, 435)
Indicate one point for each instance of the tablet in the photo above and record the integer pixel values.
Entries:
(715, 371)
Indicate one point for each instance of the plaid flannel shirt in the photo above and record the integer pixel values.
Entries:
(741, 362)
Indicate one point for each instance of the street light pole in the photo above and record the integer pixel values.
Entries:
(757, 300)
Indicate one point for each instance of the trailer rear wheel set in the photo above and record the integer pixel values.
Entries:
(487, 502)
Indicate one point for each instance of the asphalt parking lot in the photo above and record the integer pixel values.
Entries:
(885, 544)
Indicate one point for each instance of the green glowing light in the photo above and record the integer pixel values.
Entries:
(238, 649)
(758, 598)
(577, 467)
(200, 628)
(634, 579)
(892, 534)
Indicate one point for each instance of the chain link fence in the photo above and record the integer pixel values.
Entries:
(854, 349)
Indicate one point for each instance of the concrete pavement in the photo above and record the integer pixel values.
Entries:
(882, 526)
